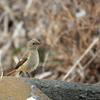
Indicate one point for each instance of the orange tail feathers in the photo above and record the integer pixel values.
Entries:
(11, 72)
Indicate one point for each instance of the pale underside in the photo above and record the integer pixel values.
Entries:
(31, 63)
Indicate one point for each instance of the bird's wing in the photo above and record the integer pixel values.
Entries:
(22, 60)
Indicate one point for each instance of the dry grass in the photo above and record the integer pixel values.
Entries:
(68, 29)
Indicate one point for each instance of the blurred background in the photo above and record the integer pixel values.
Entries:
(68, 29)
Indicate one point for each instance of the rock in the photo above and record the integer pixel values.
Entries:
(18, 88)
(14, 88)
(61, 90)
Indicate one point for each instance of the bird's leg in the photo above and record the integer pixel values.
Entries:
(20, 72)
(27, 74)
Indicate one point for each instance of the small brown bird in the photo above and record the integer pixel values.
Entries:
(29, 60)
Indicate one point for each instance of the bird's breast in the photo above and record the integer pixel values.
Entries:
(31, 63)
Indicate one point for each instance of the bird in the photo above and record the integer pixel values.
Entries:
(29, 60)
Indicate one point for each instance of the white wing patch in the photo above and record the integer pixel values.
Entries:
(20, 59)
(28, 57)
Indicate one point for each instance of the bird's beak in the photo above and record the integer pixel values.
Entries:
(39, 43)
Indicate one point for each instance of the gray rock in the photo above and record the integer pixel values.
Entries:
(20, 88)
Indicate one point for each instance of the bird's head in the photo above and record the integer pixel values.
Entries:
(33, 44)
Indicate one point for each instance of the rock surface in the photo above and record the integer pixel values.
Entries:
(60, 90)
(14, 88)
(17, 88)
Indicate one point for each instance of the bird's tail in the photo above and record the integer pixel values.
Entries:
(11, 72)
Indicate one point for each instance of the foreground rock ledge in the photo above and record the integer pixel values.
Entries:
(13, 88)
(55, 90)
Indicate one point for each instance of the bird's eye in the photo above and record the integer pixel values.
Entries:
(33, 43)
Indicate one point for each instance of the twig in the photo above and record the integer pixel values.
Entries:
(91, 59)
(45, 59)
(67, 10)
(88, 49)
(6, 25)
(29, 3)
(16, 32)
(1, 66)
(43, 75)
